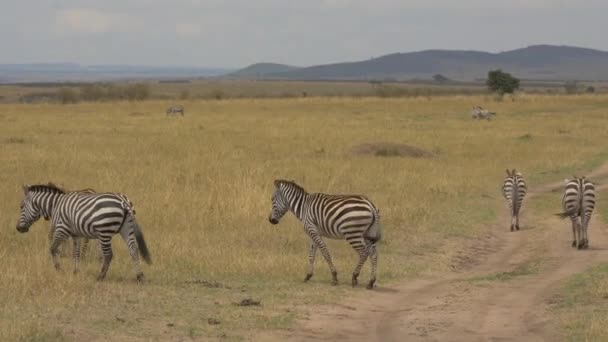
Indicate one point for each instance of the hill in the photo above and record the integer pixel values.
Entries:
(540, 62)
(261, 70)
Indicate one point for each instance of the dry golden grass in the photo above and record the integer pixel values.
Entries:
(202, 185)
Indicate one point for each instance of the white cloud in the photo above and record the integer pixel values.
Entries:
(80, 21)
(187, 30)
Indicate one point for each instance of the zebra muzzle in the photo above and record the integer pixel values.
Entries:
(273, 220)
(22, 229)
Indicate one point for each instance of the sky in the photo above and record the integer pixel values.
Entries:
(236, 33)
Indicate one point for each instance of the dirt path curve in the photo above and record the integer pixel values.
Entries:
(518, 271)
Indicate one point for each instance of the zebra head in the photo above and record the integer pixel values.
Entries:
(280, 205)
(30, 211)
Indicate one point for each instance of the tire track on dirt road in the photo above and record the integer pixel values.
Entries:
(472, 303)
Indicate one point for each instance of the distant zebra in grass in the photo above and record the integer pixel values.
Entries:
(173, 110)
(514, 190)
(481, 113)
(350, 217)
(578, 203)
(90, 215)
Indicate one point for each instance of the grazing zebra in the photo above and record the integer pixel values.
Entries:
(173, 110)
(350, 217)
(481, 113)
(578, 201)
(514, 190)
(90, 215)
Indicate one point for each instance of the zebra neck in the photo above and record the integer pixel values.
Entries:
(297, 202)
(46, 203)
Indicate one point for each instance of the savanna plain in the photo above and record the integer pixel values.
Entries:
(202, 183)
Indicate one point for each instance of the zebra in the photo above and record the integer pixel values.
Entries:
(85, 241)
(173, 110)
(578, 201)
(514, 190)
(350, 217)
(481, 113)
(90, 215)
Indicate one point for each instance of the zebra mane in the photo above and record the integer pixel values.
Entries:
(289, 183)
(50, 187)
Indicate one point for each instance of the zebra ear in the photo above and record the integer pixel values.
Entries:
(508, 172)
(277, 183)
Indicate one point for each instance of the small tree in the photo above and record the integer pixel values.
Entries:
(501, 82)
(571, 87)
(439, 78)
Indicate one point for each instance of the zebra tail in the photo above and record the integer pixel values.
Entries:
(563, 215)
(374, 231)
(141, 243)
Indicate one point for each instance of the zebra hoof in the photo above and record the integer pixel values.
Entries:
(307, 278)
(517, 227)
(334, 278)
(574, 243)
(101, 277)
(76, 271)
(370, 285)
(355, 282)
(140, 278)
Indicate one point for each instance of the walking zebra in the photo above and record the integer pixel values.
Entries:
(350, 217)
(173, 110)
(85, 241)
(578, 201)
(90, 215)
(514, 190)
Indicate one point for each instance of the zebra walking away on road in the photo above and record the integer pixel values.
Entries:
(173, 110)
(578, 203)
(514, 190)
(89, 215)
(350, 217)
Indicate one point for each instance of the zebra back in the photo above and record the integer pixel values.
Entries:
(578, 198)
(514, 189)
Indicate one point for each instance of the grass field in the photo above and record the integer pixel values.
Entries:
(202, 185)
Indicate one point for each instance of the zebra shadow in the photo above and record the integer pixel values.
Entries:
(383, 289)
(595, 248)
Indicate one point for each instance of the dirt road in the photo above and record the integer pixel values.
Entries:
(499, 292)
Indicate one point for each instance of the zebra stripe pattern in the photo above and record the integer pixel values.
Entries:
(353, 218)
(85, 241)
(578, 203)
(83, 214)
(514, 190)
(173, 110)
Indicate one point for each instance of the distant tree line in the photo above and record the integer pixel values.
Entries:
(104, 92)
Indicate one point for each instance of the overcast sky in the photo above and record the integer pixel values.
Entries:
(235, 33)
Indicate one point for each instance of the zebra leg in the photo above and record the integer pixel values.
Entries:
(76, 253)
(574, 224)
(59, 237)
(106, 248)
(585, 237)
(325, 252)
(579, 234)
(373, 255)
(312, 252)
(128, 236)
(360, 247)
(84, 248)
(517, 221)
